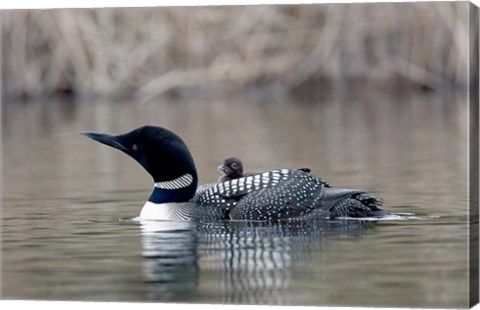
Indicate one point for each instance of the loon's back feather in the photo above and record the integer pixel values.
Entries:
(226, 195)
(285, 194)
(295, 195)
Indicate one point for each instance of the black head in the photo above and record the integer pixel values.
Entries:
(232, 167)
(161, 152)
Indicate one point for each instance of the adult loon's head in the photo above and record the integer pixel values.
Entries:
(163, 154)
(232, 167)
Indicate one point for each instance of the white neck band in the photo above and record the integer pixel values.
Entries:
(178, 183)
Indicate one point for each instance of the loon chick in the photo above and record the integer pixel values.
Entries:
(232, 168)
(285, 194)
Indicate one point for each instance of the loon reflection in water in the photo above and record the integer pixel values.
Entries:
(252, 260)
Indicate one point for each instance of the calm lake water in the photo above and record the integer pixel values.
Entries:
(68, 204)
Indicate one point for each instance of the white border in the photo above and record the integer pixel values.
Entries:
(73, 305)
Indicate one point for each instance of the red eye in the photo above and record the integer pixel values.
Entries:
(135, 147)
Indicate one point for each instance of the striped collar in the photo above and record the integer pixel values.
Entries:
(178, 183)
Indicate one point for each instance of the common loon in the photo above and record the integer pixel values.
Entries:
(232, 168)
(284, 194)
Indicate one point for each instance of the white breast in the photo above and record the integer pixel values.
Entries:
(171, 211)
(155, 211)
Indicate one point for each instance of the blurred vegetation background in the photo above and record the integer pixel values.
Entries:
(264, 50)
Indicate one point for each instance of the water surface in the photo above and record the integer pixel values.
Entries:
(68, 204)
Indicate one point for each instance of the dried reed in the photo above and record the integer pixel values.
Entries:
(147, 52)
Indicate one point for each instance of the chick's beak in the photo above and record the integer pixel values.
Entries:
(222, 168)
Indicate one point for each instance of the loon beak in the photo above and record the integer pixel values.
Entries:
(222, 168)
(106, 139)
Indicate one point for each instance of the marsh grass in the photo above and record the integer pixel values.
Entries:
(148, 52)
